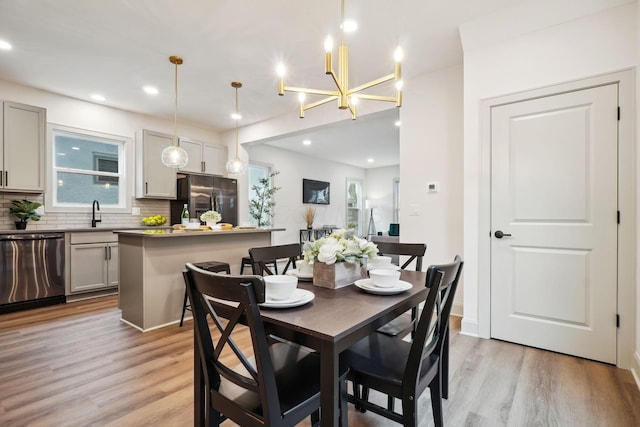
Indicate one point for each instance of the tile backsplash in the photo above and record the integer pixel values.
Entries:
(60, 220)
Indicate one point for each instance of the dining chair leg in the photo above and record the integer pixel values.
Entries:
(409, 412)
(184, 308)
(436, 401)
(444, 366)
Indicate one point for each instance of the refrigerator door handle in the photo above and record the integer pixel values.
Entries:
(213, 202)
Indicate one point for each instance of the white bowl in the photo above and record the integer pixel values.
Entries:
(192, 225)
(384, 278)
(379, 261)
(280, 287)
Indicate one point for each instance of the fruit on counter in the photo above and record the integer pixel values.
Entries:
(154, 220)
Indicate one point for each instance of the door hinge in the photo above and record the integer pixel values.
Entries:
(617, 320)
(618, 217)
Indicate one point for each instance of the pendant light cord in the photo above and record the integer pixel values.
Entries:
(175, 109)
(237, 120)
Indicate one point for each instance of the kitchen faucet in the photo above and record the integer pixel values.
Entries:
(95, 206)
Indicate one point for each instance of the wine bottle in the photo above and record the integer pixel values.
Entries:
(184, 215)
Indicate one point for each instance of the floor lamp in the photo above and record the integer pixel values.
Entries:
(371, 204)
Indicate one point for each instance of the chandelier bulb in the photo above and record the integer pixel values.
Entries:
(328, 44)
(398, 54)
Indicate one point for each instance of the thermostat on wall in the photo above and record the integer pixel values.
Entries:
(433, 187)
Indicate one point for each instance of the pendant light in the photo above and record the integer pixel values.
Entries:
(236, 166)
(175, 156)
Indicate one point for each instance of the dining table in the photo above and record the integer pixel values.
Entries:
(329, 324)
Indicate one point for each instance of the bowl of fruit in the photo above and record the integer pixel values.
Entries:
(154, 220)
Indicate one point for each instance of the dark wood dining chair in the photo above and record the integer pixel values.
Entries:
(403, 370)
(261, 257)
(405, 323)
(275, 383)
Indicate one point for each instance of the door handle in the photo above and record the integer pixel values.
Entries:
(499, 234)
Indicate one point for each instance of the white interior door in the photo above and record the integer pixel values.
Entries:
(554, 196)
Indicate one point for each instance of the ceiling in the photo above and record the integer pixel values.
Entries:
(114, 47)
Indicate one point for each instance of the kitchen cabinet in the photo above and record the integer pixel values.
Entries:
(204, 157)
(22, 148)
(154, 180)
(93, 261)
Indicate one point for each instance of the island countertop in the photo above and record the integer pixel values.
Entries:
(170, 233)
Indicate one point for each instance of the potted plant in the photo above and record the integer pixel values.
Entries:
(210, 218)
(261, 205)
(24, 210)
(309, 216)
(337, 258)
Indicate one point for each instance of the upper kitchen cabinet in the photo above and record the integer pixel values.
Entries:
(204, 157)
(153, 179)
(22, 148)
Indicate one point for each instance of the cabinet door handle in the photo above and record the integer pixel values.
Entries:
(6, 178)
(1, 180)
(109, 253)
(106, 254)
(204, 166)
(146, 187)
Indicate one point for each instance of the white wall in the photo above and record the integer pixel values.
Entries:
(91, 116)
(379, 186)
(431, 150)
(289, 209)
(580, 48)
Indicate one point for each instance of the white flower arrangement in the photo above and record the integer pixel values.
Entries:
(210, 216)
(340, 246)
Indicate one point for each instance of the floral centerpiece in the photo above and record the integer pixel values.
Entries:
(337, 258)
(210, 218)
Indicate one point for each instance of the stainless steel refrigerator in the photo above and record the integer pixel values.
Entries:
(202, 193)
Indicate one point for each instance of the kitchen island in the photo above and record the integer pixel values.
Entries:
(151, 264)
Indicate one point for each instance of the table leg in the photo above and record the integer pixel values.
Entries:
(329, 390)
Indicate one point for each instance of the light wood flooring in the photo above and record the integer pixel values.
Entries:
(78, 365)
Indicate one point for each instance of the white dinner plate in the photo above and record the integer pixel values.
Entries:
(305, 277)
(299, 297)
(367, 286)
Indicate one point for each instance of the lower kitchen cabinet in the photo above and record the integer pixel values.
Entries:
(93, 260)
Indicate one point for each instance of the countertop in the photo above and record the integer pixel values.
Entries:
(170, 233)
(79, 230)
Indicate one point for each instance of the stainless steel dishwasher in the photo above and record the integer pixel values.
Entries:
(31, 270)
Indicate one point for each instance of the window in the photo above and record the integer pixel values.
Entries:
(85, 166)
(256, 172)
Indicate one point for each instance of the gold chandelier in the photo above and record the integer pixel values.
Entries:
(347, 97)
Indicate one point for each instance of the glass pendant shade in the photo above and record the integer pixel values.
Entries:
(174, 157)
(236, 166)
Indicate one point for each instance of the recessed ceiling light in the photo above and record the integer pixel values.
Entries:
(397, 123)
(151, 90)
(306, 142)
(349, 26)
(236, 116)
(97, 97)
(370, 160)
(5, 45)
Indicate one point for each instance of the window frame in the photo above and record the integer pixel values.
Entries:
(269, 168)
(125, 175)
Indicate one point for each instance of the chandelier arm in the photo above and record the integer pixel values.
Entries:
(337, 82)
(312, 91)
(378, 98)
(372, 83)
(319, 103)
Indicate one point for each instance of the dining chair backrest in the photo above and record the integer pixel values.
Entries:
(260, 257)
(415, 251)
(433, 325)
(255, 380)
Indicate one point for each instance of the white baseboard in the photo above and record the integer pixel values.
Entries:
(469, 327)
(635, 370)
